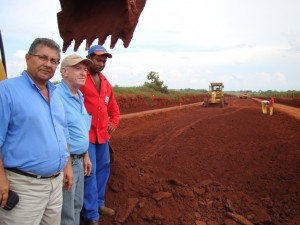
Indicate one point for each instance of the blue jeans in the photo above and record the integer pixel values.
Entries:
(73, 199)
(95, 184)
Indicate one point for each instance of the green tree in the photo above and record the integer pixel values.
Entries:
(155, 83)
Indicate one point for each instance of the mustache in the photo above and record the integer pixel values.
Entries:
(48, 70)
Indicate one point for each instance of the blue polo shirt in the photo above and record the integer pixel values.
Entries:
(33, 132)
(79, 121)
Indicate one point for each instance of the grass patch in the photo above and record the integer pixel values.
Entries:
(149, 92)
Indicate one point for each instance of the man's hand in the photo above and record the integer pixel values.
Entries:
(4, 188)
(68, 176)
(87, 164)
(111, 128)
(4, 184)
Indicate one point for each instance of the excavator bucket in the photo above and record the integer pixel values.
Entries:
(97, 19)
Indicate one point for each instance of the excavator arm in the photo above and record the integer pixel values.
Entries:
(97, 19)
(2, 60)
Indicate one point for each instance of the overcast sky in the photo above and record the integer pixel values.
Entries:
(246, 44)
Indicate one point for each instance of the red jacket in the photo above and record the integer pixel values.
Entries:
(271, 102)
(103, 107)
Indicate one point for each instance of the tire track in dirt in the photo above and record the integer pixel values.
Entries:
(159, 143)
(155, 111)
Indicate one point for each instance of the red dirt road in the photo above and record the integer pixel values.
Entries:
(213, 166)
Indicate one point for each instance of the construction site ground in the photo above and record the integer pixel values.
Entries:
(206, 166)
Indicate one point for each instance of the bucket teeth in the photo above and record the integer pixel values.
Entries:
(113, 41)
(97, 20)
(88, 43)
(102, 39)
(66, 44)
(77, 44)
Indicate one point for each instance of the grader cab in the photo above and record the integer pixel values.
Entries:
(215, 95)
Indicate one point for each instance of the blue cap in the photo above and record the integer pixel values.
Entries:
(99, 50)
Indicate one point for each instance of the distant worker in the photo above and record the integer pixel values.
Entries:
(270, 105)
(264, 106)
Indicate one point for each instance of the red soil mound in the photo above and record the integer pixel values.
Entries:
(210, 166)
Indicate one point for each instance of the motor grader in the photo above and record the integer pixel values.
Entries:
(215, 95)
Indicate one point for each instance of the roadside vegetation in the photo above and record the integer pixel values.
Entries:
(277, 94)
(148, 91)
(156, 87)
(268, 93)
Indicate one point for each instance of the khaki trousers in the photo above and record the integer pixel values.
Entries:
(40, 201)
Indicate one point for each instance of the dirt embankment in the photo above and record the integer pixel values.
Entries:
(130, 103)
(206, 166)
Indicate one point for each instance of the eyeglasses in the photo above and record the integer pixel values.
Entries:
(45, 58)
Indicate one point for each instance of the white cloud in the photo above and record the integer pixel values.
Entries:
(20, 54)
(281, 77)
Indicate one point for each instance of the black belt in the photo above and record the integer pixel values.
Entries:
(74, 156)
(21, 172)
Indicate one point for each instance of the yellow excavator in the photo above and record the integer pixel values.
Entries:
(2, 71)
(2, 60)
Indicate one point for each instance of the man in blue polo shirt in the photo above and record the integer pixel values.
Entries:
(33, 140)
(73, 70)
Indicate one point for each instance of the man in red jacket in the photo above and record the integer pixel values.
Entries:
(100, 102)
(271, 105)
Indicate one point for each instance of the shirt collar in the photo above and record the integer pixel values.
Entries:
(68, 92)
(51, 87)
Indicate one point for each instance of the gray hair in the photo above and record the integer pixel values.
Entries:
(44, 42)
